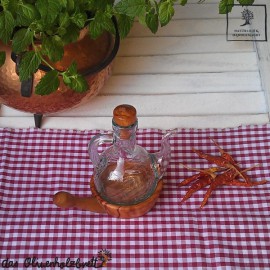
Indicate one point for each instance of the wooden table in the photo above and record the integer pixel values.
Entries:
(187, 75)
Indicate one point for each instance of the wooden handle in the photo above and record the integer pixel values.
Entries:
(66, 200)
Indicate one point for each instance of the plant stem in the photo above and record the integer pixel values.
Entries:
(41, 56)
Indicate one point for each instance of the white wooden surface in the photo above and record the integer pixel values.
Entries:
(187, 75)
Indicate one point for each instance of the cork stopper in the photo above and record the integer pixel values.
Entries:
(124, 115)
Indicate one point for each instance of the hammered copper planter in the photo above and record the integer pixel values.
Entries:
(94, 61)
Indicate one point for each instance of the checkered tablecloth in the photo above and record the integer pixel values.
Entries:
(231, 232)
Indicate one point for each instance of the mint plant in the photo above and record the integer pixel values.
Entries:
(227, 5)
(39, 30)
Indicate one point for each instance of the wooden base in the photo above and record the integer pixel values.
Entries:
(128, 211)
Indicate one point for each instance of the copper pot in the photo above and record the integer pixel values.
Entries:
(94, 61)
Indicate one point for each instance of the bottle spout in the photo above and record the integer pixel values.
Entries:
(163, 157)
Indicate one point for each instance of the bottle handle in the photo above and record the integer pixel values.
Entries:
(94, 143)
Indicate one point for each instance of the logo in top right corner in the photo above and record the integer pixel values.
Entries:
(247, 23)
(247, 16)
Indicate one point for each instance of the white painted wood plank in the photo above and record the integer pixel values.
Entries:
(197, 11)
(176, 45)
(182, 83)
(6, 111)
(186, 63)
(206, 1)
(205, 10)
(163, 122)
(175, 105)
(187, 27)
(183, 28)
(165, 105)
(160, 84)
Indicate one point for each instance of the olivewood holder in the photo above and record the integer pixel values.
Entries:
(96, 204)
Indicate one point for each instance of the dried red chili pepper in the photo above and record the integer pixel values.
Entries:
(216, 176)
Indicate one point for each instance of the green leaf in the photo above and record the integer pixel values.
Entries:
(66, 79)
(70, 5)
(100, 23)
(64, 19)
(36, 26)
(166, 12)
(48, 10)
(5, 4)
(152, 22)
(142, 21)
(29, 65)
(245, 2)
(7, 23)
(72, 69)
(29, 1)
(71, 35)
(53, 47)
(2, 58)
(11, 5)
(95, 5)
(95, 29)
(79, 19)
(183, 2)
(22, 39)
(48, 84)
(78, 83)
(131, 8)
(64, 22)
(124, 25)
(63, 3)
(26, 14)
(74, 80)
(225, 6)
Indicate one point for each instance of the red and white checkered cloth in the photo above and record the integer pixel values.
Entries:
(231, 232)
